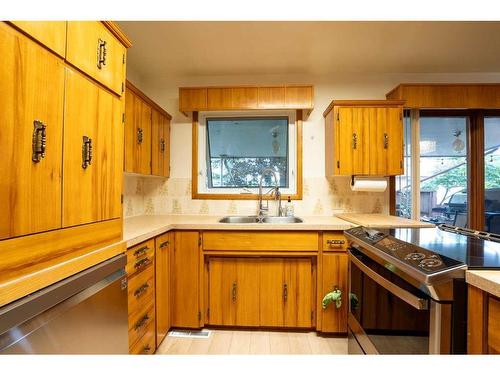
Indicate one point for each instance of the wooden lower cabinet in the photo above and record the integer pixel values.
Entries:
(186, 281)
(266, 292)
(483, 322)
(162, 263)
(233, 293)
(334, 273)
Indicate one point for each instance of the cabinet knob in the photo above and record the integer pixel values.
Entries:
(39, 140)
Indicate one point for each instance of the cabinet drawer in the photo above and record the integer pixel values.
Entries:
(146, 344)
(260, 241)
(334, 241)
(140, 257)
(141, 290)
(92, 48)
(138, 324)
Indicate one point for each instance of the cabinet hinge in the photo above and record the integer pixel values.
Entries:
(199, 240)
(338, 163)
(312, 315)
(123, 117)
(121, 198)
(401, 163)
(338, 116)
(199, 315)
(208, 313)
(123, 60)
(123, 87)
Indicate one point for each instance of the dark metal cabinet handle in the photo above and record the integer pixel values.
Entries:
(141, 290)
(39, 141)
(86, 152)
(139, 135)
(335, 243)
(101, 53)
(142, 322)
(162, 145)
(386, 140)
(143, 250)
(354, 141)
(285, 292)
(142, 263)
(234, 292)
(164, 244)
(146, 349)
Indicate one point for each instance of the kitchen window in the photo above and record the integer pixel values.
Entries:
(451, 182)
(233, 149)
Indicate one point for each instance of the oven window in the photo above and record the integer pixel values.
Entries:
(392, 325)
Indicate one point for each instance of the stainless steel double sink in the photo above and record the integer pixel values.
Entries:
(260, 220)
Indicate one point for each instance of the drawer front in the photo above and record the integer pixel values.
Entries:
(146, 344)
(92, 48)
(141, 290)
(138, 323)
(140, 257)
(260, 241)
(334, 242)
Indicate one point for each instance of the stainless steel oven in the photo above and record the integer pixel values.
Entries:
(390, 315)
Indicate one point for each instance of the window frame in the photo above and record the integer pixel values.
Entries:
(197, 149)
(475, 161)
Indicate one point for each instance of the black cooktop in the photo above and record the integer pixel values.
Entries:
(431, 250)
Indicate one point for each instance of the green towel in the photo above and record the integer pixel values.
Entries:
(336, 296)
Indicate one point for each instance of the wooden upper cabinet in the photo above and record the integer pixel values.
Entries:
(147, 135)
(51, 34)
(92, 48)
(93, 152)
(364, 138)
(246, 97)
(31, 111)
(137, 134)
(160, 144)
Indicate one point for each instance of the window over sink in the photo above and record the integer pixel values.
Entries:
(234, 147)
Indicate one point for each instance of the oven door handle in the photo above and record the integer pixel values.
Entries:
(411, 299)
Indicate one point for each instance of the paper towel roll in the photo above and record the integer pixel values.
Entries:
(376, 185)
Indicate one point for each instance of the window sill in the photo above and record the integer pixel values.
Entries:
(242, 197)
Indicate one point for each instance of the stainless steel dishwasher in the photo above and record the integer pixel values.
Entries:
(82, 314)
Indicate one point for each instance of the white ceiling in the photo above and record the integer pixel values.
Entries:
(164, 49)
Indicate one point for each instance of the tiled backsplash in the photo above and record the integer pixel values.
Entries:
(146, 195)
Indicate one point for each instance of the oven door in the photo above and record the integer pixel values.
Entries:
(387, 315)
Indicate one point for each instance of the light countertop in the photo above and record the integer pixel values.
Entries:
(383, 221)
(141, 228)
(489, 281)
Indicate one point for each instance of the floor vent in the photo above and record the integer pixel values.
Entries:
(203, 334)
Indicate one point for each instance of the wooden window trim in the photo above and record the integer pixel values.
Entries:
(194, 168)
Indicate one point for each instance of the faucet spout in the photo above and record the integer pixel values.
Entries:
(275, 191)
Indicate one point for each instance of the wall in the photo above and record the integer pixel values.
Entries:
(149, 195)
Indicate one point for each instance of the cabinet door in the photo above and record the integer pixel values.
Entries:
(223, 291)
(160, 144)
(394, 142)
(185, 279)
(93, 152)
(162, 263)
(51, 34)
(92, 48)
(32, 96)
(137, 134)
(297, 298)
(247, 292)
(353, 135)
(272, 292)
(334, 275)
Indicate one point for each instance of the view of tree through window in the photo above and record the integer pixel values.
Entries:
(492, 174)
(240, 148)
